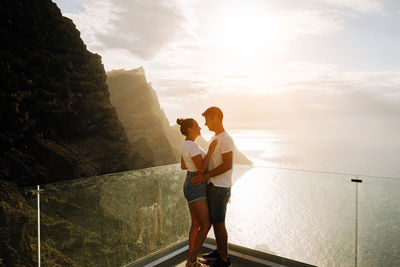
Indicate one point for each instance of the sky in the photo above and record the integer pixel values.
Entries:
(267, 64)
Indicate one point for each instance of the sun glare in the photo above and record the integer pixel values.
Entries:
(245, 31)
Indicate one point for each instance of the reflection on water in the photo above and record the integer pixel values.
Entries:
(379, 219)
(310, 217)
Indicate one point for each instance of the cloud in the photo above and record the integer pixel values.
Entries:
(173, 33)
(91, 20)
(311, 22)
(386, 83)
(347, 108)
(298, 92)
(117, 58)
(69, 6)
(140, 27)
(358, 5)
(181, 88)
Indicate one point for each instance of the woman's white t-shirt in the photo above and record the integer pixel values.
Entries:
(189, 150)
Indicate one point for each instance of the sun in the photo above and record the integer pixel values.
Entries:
(243, 31)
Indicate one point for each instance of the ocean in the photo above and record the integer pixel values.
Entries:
(298, 200)
(375, 153)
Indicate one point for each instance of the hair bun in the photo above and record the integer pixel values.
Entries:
(179, 121)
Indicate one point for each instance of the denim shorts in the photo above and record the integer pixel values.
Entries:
(194, 192)
(217, 198)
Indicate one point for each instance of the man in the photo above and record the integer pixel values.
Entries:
(219, 186)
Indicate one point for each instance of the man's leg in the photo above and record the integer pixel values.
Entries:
(218, 198)
(221, 236)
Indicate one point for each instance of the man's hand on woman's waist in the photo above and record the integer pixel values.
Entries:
(198, 179)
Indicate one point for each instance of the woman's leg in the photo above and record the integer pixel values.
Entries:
(200, 210)
(194, 229)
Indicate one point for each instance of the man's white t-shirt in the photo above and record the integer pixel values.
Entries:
(189, 150)
(225, 144)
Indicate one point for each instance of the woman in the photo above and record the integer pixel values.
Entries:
(195, 161)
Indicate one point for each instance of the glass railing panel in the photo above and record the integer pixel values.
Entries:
(116, 219)
(300, 215)
(379, 222)
(113, 220)
(22, 228)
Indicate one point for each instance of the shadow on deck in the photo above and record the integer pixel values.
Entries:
(176, 254)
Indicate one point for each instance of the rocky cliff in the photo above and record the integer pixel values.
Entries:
(141, 115)
(57, 123)
(56, 118)
(145, 122)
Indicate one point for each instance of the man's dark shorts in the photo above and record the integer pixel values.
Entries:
(217, 198)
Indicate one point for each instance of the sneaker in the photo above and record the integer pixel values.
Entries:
(212, 256)
(221, 263)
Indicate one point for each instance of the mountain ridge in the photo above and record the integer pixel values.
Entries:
(127, 88)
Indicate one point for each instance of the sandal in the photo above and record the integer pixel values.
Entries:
(195, 264)
(202, 260)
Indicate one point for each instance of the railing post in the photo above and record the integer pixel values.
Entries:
(357, 181)
(37, 193)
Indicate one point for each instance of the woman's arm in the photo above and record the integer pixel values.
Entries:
(183, 165)
(225, 166)
(203, 164)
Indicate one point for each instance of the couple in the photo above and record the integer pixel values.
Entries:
(207, 186)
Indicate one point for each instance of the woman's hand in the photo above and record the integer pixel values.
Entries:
(212, 146)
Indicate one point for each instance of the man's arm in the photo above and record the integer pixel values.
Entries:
(202, 164)
(227, 159)
(224, 167)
